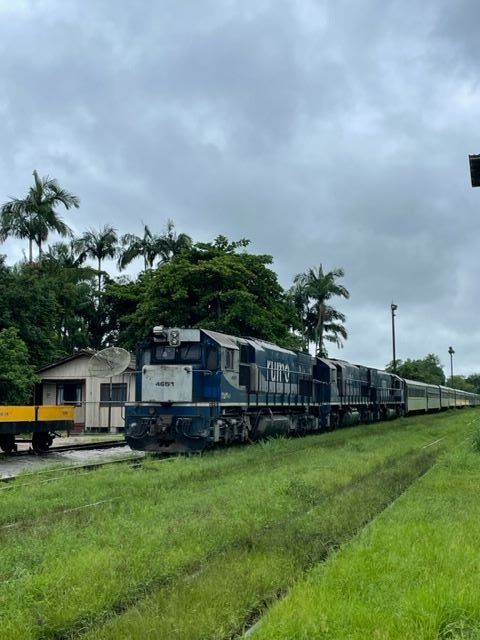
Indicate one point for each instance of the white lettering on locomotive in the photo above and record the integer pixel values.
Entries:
(278, 371)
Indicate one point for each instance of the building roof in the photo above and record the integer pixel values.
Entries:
(82, 353)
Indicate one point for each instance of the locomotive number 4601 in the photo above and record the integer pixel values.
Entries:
(164, 383)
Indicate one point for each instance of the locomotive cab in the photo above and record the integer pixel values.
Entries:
(182, 376)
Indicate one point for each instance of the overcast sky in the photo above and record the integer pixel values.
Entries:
(332, 132)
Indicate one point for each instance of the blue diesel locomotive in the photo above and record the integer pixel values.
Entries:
(196, 388)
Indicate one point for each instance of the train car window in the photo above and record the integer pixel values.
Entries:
(416, 392)
(190, 353)
(212, 358)
(244, 353)
(229, 356)
(165, 353)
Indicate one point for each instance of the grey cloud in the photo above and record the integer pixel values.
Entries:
(325, 132)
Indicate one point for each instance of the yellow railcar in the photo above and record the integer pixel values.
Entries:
(41, 421)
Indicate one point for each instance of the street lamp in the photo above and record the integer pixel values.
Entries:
(451, 352)
(393, 308)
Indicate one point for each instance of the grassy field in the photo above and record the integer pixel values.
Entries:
(201, 547)
(411, 575)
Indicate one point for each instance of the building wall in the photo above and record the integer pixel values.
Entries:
(98, 413)
(49, 391)
(89, 412)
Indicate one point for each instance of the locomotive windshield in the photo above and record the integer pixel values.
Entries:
(190, 353)
(186, 353)
(165, 353)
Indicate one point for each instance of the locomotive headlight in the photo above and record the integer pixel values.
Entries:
(160, 334)
(174, 337)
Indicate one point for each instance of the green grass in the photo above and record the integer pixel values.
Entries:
(411, 575)
(231, 590)
(197, 547)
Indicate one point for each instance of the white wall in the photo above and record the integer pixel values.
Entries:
(90, 412)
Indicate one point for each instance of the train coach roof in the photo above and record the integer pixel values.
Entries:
(222, 339)
(232, 342)
(263, 344)
(327, 361)
(420, 384)
(344, 363)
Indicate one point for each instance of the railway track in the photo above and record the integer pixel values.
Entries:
(88, 446)
(43, 476)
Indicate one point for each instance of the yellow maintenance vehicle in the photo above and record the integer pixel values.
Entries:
(41, 421)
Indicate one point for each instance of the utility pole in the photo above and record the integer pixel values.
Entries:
(451, 352)
(393, 308)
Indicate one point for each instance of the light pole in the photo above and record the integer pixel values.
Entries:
(393, 308)
(451, 352)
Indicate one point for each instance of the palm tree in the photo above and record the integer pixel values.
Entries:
(171, 243)
(151, 246)
(35, 217)
(147, 246)
(322, 322)
(99, 245)
(62, 255)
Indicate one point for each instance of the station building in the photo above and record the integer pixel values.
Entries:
(99, 402)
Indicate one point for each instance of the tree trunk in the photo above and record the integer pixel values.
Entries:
(319, 330)
(99, 274)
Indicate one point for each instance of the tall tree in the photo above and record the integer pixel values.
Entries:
(210, 285)
(34, 216)
(427, 369)
(75, 291)
(63, 255)
(98, 245)
(311, 294)
(17, 375)
(152, 246)
(460, 382)
(30, 304)
(171, 243)
(474, 380)
(148, 247)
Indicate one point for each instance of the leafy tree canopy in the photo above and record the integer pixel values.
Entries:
(17, 376)
(460, 382)
(427, 369)
(29, 304)
(214, 286)
(473, 381)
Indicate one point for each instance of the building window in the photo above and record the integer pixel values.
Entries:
(119, 393)
(69, 393)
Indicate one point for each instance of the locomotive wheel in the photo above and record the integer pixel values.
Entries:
(41, 442)
(7, 443)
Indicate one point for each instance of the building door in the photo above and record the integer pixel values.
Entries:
(72, 393)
